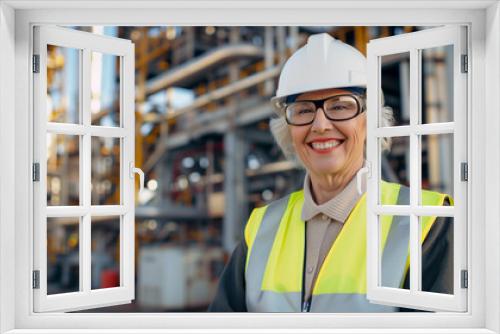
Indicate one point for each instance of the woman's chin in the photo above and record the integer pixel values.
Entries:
(328, 170)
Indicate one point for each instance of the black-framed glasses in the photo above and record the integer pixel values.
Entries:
(336, 108)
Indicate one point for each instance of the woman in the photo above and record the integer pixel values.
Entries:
(307, 251)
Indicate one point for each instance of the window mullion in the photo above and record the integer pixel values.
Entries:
(85, 228)
(406, 210)
(414, 171)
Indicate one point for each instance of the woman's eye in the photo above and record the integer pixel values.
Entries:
(342, 107)
(338, 108)
(305, 111)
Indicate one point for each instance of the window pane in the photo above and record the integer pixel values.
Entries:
(63, 169)
(395, 82)
(63, 84)
(105, 171)
(105, 234)
(105, 89)
(395, 166)
(437, 164)
(437, 84)
(394, 232)
(437, 264)
(63, 255)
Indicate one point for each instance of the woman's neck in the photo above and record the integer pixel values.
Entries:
(324, 187)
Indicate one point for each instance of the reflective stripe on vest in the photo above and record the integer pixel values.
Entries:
(275, 236)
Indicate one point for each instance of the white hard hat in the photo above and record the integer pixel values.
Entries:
(324, 62)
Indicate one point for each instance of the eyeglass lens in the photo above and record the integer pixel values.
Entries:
(336, 108)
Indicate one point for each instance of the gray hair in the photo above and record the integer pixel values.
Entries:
(281, 133)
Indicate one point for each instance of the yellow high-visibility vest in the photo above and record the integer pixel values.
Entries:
(275, 237)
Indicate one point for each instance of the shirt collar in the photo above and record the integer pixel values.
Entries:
(337, 208)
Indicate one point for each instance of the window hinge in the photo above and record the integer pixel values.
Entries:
(464, 171)
(465, 279)
(465, 66)
(36, 279)
(36, 63)
(36, 172)
(367, 169)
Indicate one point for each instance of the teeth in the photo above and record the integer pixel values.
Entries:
(325, 145)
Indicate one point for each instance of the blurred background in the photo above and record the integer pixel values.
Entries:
(203, 140)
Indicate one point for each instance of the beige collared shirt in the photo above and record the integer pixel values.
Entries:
(323, 224)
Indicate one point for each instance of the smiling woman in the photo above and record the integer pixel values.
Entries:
(307, 251)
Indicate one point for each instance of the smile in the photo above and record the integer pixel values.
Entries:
(325, 146)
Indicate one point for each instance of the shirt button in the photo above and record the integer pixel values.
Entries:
(310, 270)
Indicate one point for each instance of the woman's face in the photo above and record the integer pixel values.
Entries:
(329, 147)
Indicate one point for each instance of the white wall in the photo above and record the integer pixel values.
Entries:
(7, 175)
(492, 172)
(8, 185)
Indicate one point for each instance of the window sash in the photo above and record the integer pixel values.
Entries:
(412, 43)
(85, 297)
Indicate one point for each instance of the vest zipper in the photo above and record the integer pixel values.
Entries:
(306, 305)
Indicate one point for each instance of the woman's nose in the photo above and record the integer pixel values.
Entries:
(320, 122)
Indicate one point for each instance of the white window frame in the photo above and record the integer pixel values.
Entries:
(85, 43)
(412, 44)
(16, 21)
